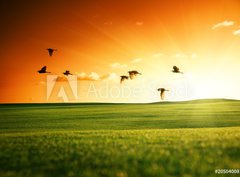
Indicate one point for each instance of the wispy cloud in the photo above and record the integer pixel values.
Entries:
(136, 60)
(194, 56)
(223, 24)
(62, 78)
(236, 32)
(96, 77)
(87, 77)
(108, 23)
(110, 76)
(182, 55)
(90, 77)
(157, 55)
(139, 23)
(42, 83)
(118, 65)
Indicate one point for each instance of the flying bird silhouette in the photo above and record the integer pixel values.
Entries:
(123, 78)
(67, 73)
(43, 70)
(50, 51)
(176, 70)
(133, 73)
(162, 92)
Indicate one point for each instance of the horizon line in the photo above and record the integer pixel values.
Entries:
(181, 101)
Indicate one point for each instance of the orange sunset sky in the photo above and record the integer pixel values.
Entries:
(99, 40)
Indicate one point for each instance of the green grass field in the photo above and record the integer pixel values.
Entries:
(124, 140)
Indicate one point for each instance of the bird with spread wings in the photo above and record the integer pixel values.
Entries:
(67, 72)
(162, 92)
(123, 78)
(51, 51)
(43, 70)
(133, 73)
(176, 70)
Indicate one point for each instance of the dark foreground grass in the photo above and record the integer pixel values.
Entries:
(121, 153)
(120, 140)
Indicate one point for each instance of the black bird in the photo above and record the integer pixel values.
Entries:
(176, 70)
(162, 91)
(67, 73)
(123, 78)
(133, 73)
(43, 70)
(50, 51)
